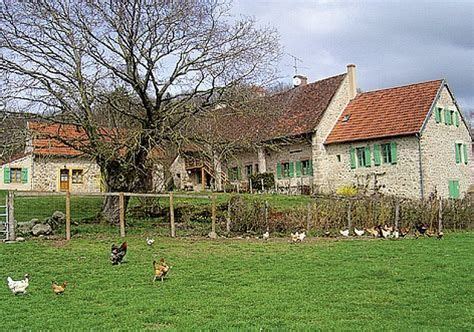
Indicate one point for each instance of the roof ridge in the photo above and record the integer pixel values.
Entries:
(403, 86)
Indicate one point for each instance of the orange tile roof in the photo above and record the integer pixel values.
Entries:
(45, 139)
(389, 112)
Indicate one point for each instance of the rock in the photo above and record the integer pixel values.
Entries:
(25, 228)
(213, 235)
(41, 229)
(59, 217)
(20, 239)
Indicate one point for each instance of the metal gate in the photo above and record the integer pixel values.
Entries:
(4, 233)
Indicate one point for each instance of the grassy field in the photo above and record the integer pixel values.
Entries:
(243, 284)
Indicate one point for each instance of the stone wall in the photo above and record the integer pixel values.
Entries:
(23, 163)
(438, 152)
(321, 165)
(401, 179)
(46, 174)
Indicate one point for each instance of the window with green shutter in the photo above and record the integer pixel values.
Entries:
(454, 189)
(368, 161)
(279, 172)
(457, 152)
(6, 175)
(447, 115)
(393, 152)
(377, 154)
(456, 119)
(291, 171)
(352, 157)
(386, 153)
(24, 175)
(438, 114)
(310, 167)
(298, 168)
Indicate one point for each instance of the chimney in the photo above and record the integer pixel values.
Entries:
(299, 80)
(351, 74)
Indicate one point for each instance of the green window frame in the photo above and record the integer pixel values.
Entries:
(363, 156)
(279, 171)
(307, 167)
(298, 168)
(377, 158)
(386, 153)
(457, 152)
(16, 175)
(285, 168)
(466, 157)
(448, 117)
(456, 119)
(6, 175)
(438, 114)
(352, 157)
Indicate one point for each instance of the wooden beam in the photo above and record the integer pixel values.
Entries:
(173, 228)
(122, 214)
(68, 215)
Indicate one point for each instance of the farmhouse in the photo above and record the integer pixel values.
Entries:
(48, 164)
(411, 141)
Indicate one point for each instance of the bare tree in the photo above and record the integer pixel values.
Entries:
(61, 60)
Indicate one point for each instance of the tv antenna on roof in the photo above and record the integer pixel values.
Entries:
(296, 60)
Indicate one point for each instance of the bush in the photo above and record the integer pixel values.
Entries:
(347, 191)
(268, 181)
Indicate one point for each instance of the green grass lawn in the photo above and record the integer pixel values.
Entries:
(243, 284)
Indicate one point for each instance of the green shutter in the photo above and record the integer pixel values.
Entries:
(456, 119)
(367, 161)
(438, 115)
(292, 169)
(456, 189)
(298, 168)
(457, 151)
(449, 118)
(377, 155)
(465, 153)
(24, 175)
(393, 152)
(352, 157)
(451, 191)
(278, 171)
(311, 167)
(6, 175)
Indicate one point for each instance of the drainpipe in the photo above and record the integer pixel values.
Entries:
(422, 194)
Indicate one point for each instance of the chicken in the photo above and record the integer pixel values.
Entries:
(266, 235)
(295, 237)
(118, 253)
(359, 232)
(420, 229)
(372, 231)
(404, 231)
(150, 241)
(302, 236)
(385, 233)
(327, 233)
(58, 289)
(440, 235)
(161, 269)
(19, 286)
(396, 234)
(345, 232)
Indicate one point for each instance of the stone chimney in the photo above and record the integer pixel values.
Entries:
(299, 80)
(351, 75)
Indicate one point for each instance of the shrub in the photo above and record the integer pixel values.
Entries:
(347, 191)
(268, 181)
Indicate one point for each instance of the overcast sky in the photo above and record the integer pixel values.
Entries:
(391, 42)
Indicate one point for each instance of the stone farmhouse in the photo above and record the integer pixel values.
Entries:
(49, 165)
(411, 141)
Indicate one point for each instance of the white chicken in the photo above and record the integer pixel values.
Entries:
(295, 237)
(19, 286)
(385, 233)
(302, 236)
(359, 232)
(344, 232)
(266, 235)
(150, 241)
(396, 235)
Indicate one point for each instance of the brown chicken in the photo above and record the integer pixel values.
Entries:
(372, 231)
(161, 269)
(404, 231)
(58, 289)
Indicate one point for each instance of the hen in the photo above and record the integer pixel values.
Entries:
(359, 232)
(266, 235)
(404, 231)
(58, 289)
(302, 236)
(118, 253)
(150, 241)
(345, 232)
(19, 286)
(161, 269)
(373, 231)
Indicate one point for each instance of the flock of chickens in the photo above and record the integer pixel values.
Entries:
(117, 255)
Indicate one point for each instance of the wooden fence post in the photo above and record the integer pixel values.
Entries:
(263, 187)
(397, 214)
(266, 216)
(122, 214)
(349, 217)
(68, 215)
(228, 221)
(250, 183)
(440, 216)
(173, 229)
(308, 218)
(11, 216)
(213, 216)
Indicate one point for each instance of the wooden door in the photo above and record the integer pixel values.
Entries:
(64, 180)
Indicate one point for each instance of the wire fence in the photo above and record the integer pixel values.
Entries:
(176, 214)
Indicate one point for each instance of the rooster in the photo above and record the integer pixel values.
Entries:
(161, 269)
(19, 286)
(58, 289)
(150, 241)
(420, 229)
(359, 232)
(266, 235)
(344, 232)
(118, 253)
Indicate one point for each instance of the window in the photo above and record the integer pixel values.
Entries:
(386, 153)
(77, 176)
(306, 167)
(285, 170)
(248, 170)
(338, 158)
(460, 150)
(361, 157)
(256, 168)
(448, 117)
(453, 188)
(438, 111)
(15, 175)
